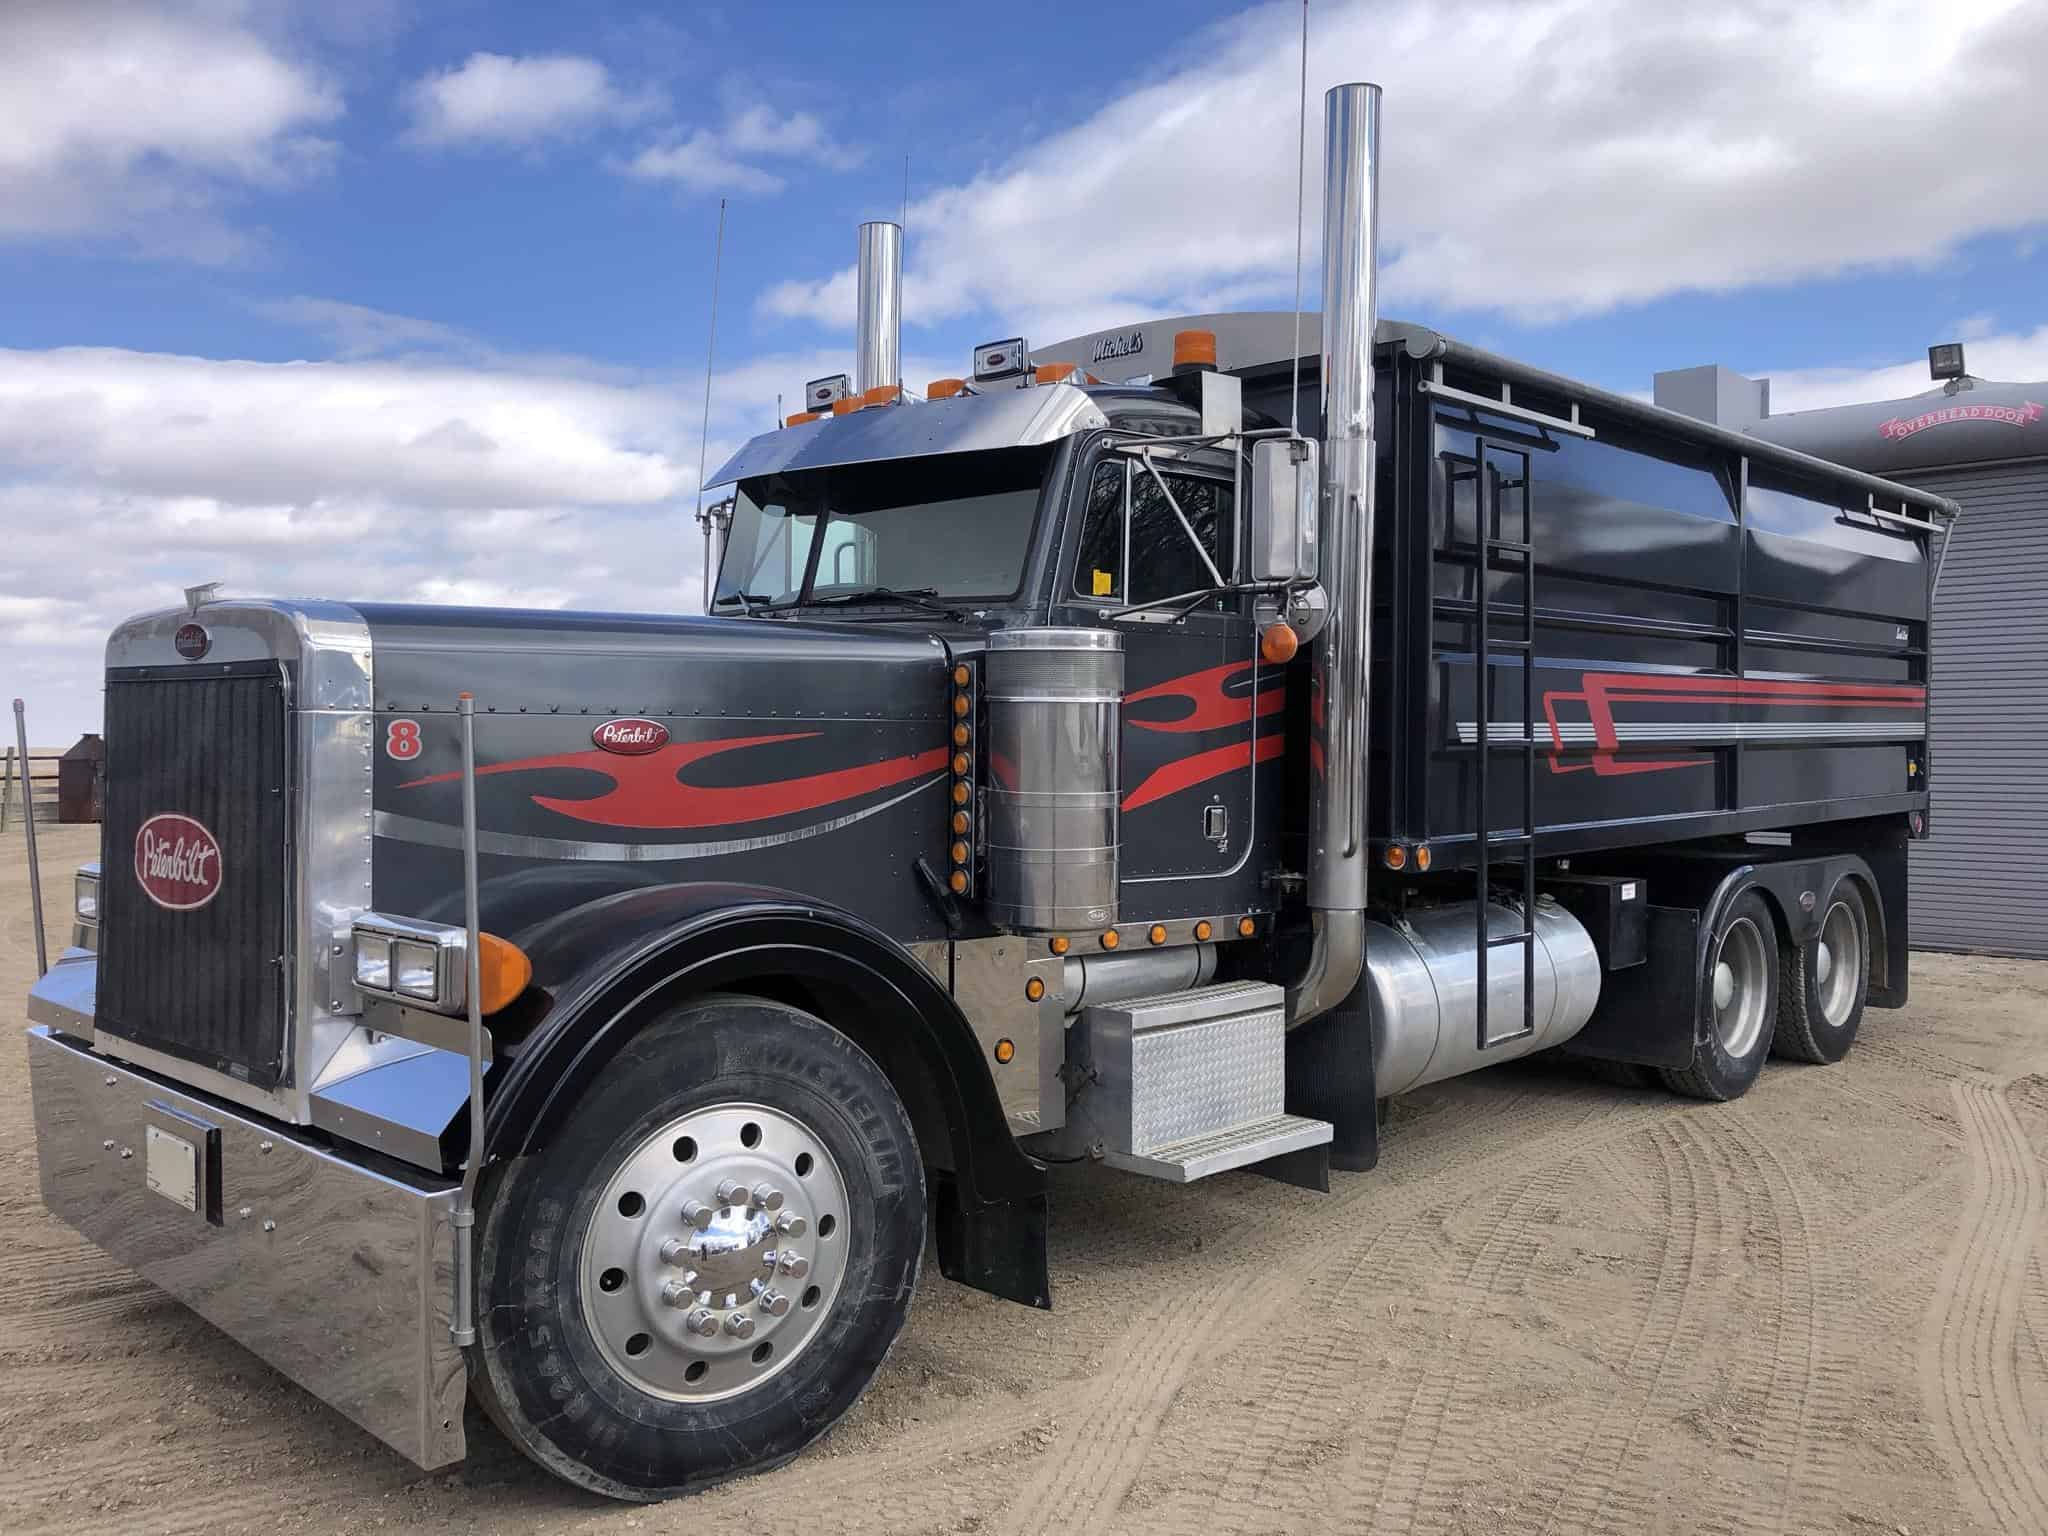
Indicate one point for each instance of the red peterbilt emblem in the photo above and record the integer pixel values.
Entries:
(631, 738)
(177, 862)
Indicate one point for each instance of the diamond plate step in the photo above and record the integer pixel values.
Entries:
(1182, 1162)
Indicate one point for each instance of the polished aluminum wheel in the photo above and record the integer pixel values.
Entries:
(715, 1252)
(1838, 963)
(1741, 987)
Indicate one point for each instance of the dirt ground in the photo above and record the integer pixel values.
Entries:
(1557, 1306)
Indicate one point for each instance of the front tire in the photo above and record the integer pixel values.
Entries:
(1823, 985)
(1740, 998)
(704, 1268)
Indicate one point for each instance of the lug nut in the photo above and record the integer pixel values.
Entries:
(795, 1265)
(790, 1224)
(774, 1303)
(701, 1322)
(698, 1214)
(677, 1294)
(740, 1326)
(730, 1193)
(768, 1197)
(674, 1251)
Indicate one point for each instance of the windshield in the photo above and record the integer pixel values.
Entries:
(952, 525)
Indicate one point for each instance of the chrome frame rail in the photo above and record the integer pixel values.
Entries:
(462, 1324)
(28, 827)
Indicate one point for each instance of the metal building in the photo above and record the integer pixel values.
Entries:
(1975, 882)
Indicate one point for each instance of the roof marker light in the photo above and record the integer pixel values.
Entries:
(1194, 349)
(945, 389)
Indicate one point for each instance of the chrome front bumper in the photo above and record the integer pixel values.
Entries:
(340, 1277)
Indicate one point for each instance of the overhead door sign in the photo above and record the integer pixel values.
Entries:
(1900, 427)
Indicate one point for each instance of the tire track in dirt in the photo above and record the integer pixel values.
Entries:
(1969, 1356)
(1100, 1453)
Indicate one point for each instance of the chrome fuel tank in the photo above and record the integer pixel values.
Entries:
(1424, 977)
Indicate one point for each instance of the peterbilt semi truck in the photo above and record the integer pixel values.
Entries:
(1152, 751)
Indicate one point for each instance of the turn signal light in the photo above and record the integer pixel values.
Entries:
(502, 970)
(945, 389)
(1194, 349)
(1278, 643)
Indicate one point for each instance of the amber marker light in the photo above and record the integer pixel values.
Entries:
(1203, 930)
(1158, 933)
(1059, 946)
(1278, 643)
(959, 735)
(1396, 856)
(847, 406)
(1422, 859)
(1054, 373)
(1246, 927)
(959, 853)
(959, 794)
(883, 394)
(1110, 939)
(1034, 989)
(961, 675)
(1194, 349)
(960, 763)
(945, 389)
(958, 881)
(1006, 1051)
(960, 821)
(960, 705)
(801, 417)
(502, 970)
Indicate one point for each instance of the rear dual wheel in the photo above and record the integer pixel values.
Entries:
(705, 1267)
(1823, 984)
(1740, 997)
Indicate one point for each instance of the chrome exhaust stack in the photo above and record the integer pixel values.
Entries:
(1338, 853)
(878, 322)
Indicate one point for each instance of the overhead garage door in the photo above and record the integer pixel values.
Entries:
(1977, 883)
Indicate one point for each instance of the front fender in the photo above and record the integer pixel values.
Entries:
(600, 968)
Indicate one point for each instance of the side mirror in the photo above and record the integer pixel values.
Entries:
(1286, 491)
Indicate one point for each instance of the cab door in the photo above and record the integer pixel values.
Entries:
(1201, 724)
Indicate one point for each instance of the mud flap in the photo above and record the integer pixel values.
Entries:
(1647, 1013)
(999, 1247)
(1330, 1077)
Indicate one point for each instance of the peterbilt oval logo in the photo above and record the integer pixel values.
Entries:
(192, 641)
(631, 738)
(177, 862)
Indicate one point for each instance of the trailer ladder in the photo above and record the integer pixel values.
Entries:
(1498, 553)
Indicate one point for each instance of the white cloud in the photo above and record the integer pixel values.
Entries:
(721, 159)
(2019, 356)
(126, 476)
(1544, 158)
(493, 98)
(142, 121)
(703, 164)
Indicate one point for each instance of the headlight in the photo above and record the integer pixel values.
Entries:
(85, 894)
(373, 961)
(411, 961)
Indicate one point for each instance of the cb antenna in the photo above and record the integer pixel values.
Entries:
(1300, 195)
(704, 430)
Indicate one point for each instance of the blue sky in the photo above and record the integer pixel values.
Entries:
(409, 299)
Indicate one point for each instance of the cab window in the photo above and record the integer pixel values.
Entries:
(1163, 562)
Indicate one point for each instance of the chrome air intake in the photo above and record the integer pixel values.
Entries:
(878, 320)
(1049, 812)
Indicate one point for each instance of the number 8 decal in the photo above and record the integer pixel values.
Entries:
(402, 740)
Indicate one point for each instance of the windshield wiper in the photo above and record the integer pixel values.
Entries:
(746, 600)
(915, 597)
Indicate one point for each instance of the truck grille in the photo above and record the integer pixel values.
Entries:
(195, 964)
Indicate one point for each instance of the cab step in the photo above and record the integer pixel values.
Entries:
(1189, 1084)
